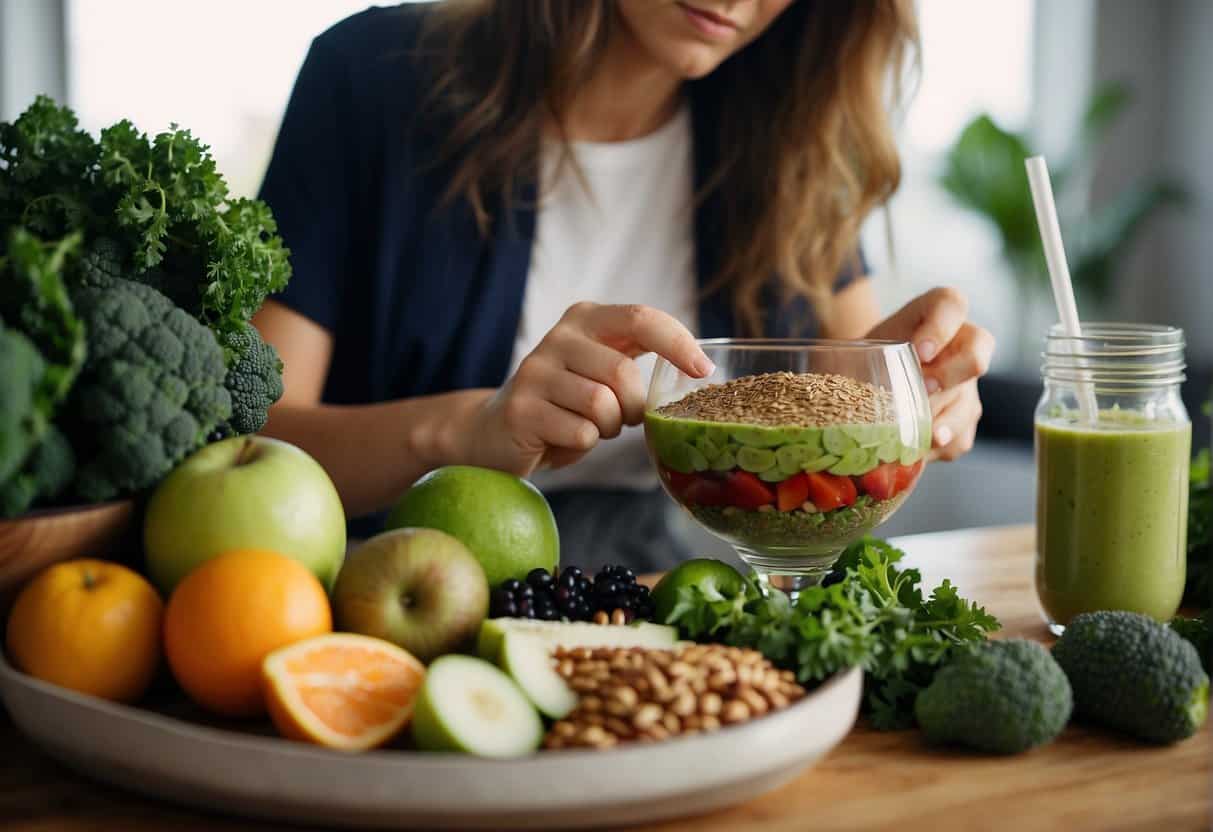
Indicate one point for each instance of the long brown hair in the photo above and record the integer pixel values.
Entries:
(806, 144)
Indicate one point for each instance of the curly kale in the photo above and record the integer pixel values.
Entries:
(150, 392)
(46, 165)
(160, 206)
(254, 381)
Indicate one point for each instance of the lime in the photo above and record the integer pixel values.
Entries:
(710, 575)
(503, 520)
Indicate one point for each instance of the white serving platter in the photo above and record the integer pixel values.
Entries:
(254, 775)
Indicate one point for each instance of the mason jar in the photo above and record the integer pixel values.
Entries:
(1113, 445)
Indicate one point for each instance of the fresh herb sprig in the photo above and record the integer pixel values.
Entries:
(870, 613)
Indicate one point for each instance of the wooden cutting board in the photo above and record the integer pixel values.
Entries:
(1087, 780)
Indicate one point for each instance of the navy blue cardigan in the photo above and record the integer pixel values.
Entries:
(418, 301)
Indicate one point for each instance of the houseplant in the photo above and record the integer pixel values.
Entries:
(984, 171)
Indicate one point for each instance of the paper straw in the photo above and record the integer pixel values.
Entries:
(1059, 271)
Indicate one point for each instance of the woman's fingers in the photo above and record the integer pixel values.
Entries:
(634, 330)
(967, 356)
(954, 426)
(596, 362)
(591, 399)
(547, 424)
(928, 322)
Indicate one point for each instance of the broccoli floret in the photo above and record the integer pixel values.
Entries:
(22, 420)
(254, 379)
(150, 392)
(1133, 674)
(102, 262)
(47, 473)
(1002, 696)
(1196, 631)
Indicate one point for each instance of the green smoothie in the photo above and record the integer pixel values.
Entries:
(1111, 515)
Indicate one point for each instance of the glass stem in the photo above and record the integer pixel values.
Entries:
(789, 583)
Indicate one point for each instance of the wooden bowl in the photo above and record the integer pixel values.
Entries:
(37, 539)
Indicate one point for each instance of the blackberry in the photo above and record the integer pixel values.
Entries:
(540, 579)
(572, 595)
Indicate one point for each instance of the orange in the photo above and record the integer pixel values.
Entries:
(343, 691)
(231, 612)
(88, 625)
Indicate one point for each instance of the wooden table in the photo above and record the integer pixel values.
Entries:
(1086, 780)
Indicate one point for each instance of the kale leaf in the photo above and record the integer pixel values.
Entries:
(159, 203)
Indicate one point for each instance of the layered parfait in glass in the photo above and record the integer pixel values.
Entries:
(791, 450)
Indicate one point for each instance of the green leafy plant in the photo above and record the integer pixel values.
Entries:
(984, 171)
(870, 613)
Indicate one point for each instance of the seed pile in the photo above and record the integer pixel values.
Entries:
(643, 695)
(785, 400)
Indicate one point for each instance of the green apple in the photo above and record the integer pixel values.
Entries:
(240, 493)
(418, 588)
(504, 520)
(468, 705)
(715, 578)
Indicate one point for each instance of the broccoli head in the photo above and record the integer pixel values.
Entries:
(46, 474)
(22, 421)
(1133, 674)
(254, 380)
(150, 392)
(1003, 696)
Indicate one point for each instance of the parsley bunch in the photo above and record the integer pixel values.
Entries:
(156, 207)
(868, 613)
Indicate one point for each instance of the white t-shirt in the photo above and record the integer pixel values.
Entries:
(629, 240)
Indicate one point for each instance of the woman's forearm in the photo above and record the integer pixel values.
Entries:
(374, 452)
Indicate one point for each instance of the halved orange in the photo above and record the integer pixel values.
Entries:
(341, 690)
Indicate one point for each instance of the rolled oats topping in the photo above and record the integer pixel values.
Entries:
(785, 399)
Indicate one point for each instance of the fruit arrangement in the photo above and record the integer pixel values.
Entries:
(253, 609)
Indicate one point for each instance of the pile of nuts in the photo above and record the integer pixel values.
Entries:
(639, 694)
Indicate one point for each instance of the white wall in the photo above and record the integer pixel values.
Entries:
(1162, 50)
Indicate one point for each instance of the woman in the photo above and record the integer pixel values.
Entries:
(497, 207)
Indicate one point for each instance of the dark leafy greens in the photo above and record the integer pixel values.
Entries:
(154, 210)
(870, 613)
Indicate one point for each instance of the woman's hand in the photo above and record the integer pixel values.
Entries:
(579, 385)
(954, 354)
